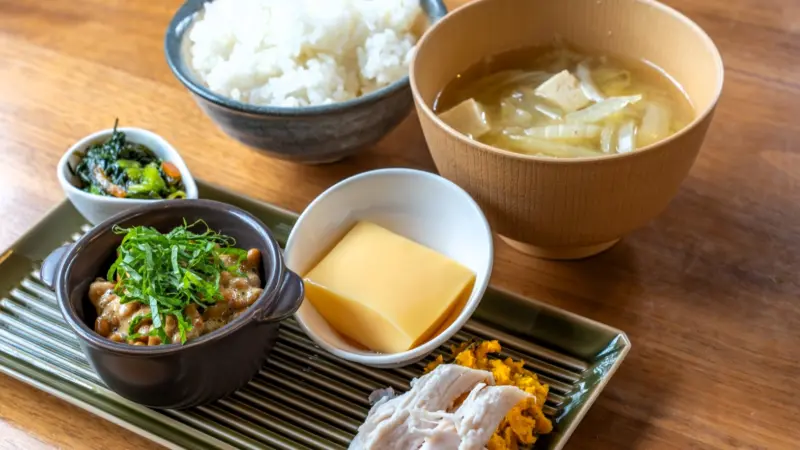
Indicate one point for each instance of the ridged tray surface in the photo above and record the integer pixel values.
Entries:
(302, 398)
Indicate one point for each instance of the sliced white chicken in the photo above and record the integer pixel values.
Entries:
(564, 90)
(444, 436)
(471, 426)
(480, 414)
(399, 420)
(438, 390)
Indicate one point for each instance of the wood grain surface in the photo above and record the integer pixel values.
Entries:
(709, 292)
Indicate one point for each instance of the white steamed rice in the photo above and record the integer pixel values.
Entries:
(302, 52)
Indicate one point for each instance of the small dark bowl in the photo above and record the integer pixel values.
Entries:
(205, 369)
(311, 134)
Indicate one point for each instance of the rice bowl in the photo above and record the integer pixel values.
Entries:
(314, 134)
(302, 53)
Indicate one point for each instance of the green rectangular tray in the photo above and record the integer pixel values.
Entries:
(302, 398)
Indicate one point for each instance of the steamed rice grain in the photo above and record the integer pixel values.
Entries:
(302, 52)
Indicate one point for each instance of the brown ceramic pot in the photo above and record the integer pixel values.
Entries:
(204, 369)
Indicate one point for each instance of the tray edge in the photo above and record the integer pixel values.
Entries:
(87, 407)
(564, 438)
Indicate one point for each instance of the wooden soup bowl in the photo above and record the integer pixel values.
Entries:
(567, 208)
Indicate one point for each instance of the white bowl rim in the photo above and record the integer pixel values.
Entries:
(83, 143)
(478, 290)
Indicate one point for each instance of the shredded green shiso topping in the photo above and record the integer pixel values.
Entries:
(171, 271)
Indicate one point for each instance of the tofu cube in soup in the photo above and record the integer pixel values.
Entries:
(468, 117)
(563, 90)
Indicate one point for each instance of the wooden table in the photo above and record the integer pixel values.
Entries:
(709, 293)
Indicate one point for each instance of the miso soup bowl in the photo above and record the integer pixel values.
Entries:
(202, 370)
(567, 208)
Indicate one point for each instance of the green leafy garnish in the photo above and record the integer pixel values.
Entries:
(134, 324)
(171, 271)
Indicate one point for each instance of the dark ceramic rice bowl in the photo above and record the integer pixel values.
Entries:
(312, 134)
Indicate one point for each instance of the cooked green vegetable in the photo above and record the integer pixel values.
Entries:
(124, 169)
(168, 272)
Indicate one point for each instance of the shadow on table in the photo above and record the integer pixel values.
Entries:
(622, 417)
(403, 147)
(608, 288)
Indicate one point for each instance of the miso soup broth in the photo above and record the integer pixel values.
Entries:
(562, 102)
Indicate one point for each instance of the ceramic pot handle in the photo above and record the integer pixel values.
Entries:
(52, 264)
(289, 298)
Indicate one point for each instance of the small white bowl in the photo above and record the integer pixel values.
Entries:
(419, 205)
(96, 208)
